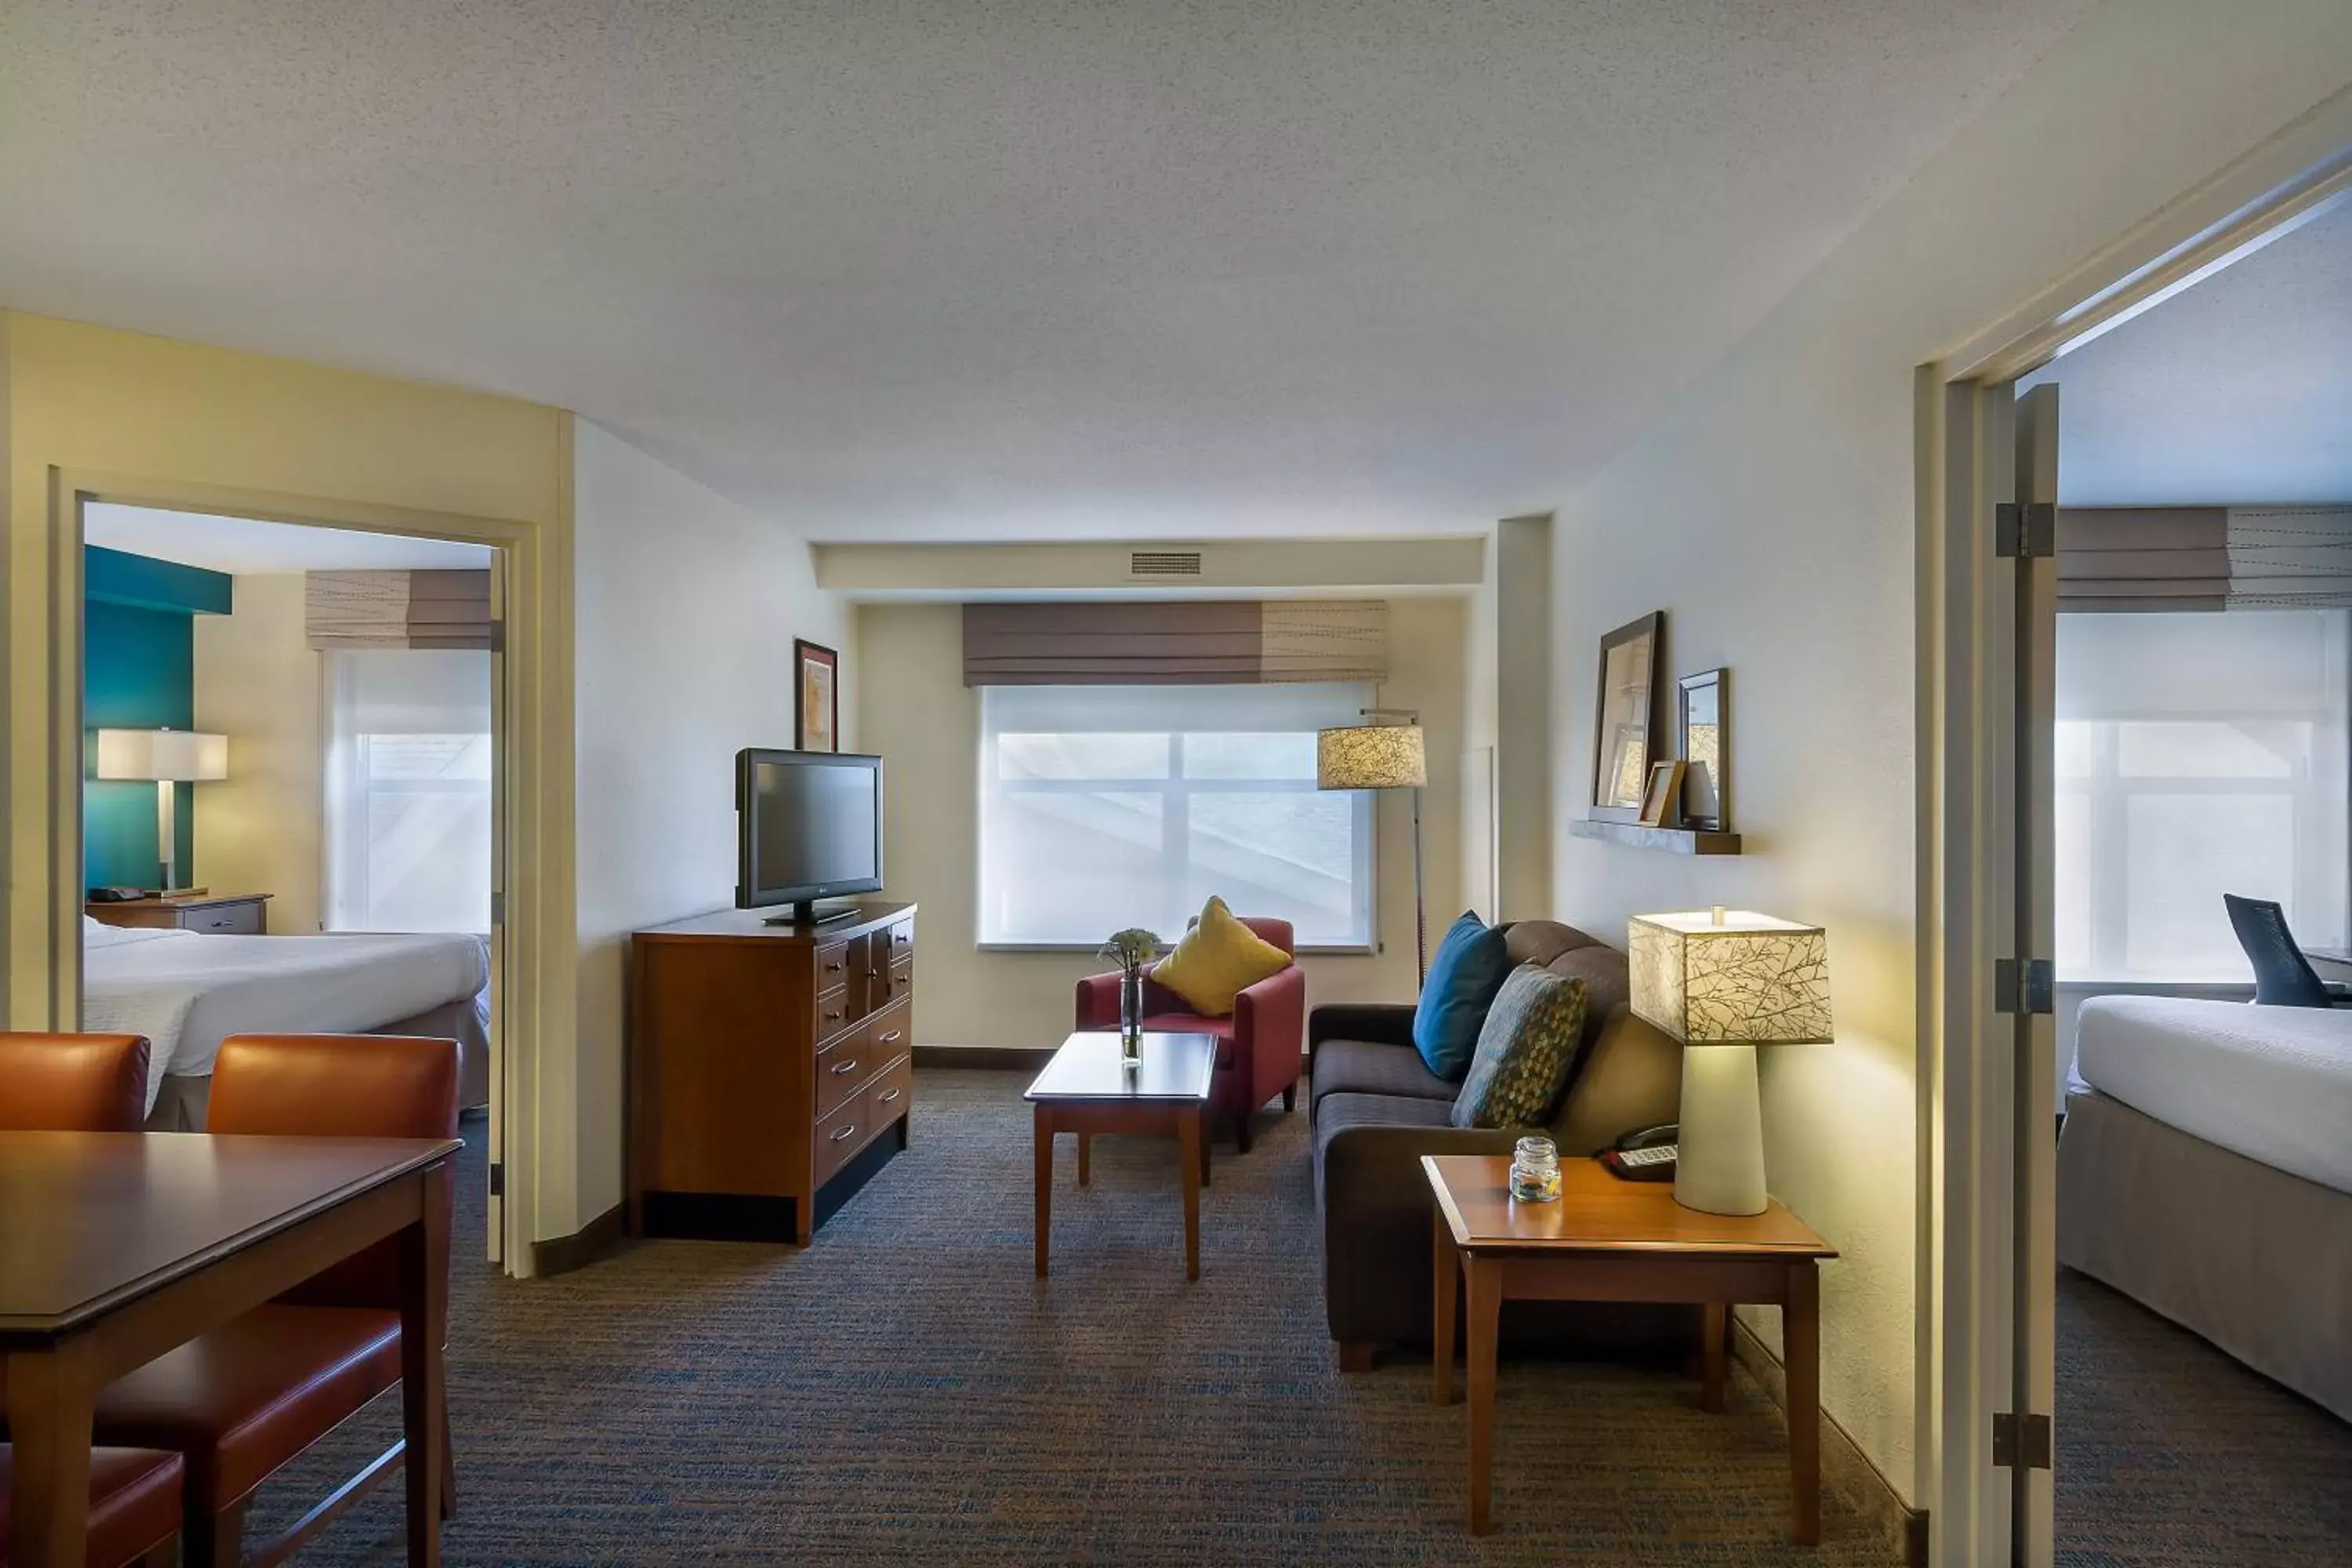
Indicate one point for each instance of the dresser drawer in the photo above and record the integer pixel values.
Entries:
(891, 1032)
(224, 920)
(838, 1136)
(835, 1011)
(832, 965)
(898, 940)
(843, 1069)
(894, 986)
(893, 1093)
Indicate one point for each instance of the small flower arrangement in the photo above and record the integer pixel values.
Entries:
(1133, 948)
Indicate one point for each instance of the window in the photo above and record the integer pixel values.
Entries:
(2197, 754)
(408, 790)
(1105, 806)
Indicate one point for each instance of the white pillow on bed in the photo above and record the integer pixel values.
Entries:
(97, 933)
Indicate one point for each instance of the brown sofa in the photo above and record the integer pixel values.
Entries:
(1376, 1110)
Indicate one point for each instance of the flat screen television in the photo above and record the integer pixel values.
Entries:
(809, 827)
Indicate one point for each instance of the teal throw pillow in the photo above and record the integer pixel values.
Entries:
(1524, 1051)
(1470, 967)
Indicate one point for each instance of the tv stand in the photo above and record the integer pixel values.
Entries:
(807, 912)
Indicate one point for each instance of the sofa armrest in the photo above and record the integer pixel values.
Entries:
(1097, 1006)
(1381, 1023)
(1375, 1168)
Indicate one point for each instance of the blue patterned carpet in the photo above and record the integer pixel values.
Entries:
(905, 1391)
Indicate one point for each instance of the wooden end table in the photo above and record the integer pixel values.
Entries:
(1611, 1240)
(1086, 1090)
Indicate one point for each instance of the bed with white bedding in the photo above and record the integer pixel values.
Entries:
(2206, 1170)
(188, 991)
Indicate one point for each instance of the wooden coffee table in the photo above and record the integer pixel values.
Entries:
(1086, 1090)
(1611, 1240)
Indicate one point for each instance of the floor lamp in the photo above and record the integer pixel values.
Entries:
(1384, 753)
(168, 757)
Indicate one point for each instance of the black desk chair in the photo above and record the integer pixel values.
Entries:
(2283, 976)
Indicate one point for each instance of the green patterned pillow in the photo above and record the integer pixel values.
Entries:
(1523, 1052)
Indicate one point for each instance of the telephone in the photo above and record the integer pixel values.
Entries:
(1644, 1155)
(116, 895)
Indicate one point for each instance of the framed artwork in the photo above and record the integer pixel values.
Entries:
(1658, 800)
(1627, 718)
(817, 696)
(1703, 715)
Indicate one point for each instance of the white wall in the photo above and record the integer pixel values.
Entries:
(1770, 514)
(918, 713)
(260, 830)
(686, 608)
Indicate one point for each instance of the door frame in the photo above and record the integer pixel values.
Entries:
(1965, 431)
(520, 567)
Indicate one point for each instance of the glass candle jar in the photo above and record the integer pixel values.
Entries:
(1535, 1171)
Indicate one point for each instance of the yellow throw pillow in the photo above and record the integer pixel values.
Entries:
(1218, 958)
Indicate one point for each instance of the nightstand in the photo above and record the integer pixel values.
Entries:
(219, 914)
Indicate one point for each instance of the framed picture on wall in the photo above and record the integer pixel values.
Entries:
(817, 696)
(1703, 716)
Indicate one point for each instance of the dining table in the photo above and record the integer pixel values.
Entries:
(117, 1247)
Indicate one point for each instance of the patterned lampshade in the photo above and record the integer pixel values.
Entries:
(1712, 978)
(1370, 756)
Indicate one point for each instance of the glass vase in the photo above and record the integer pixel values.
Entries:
(1130, 1016)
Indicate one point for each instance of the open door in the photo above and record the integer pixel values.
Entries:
(2025, 986)
(501, 971)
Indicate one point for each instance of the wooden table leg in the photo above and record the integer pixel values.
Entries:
(1205, 1162)
(49, 1394)
(1800, 1349)
(1485, 1307)
(1714, 1326)
(1045, 1123)
(424, 1392)
(1086, 1147)
(1446, 1272)
(1188, 1135)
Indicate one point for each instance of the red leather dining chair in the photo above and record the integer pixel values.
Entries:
(134, 1505)
(72, 1083)
(1260, 1044)
(244, 1400)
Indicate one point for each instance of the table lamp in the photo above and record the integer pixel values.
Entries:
(169, 757)
(1386, 753)
(1723, 985)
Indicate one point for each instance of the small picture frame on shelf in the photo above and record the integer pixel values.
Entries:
(1661, 802)
(1703, 722)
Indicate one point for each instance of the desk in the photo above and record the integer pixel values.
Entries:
(1606, 1240)
(116, 1248)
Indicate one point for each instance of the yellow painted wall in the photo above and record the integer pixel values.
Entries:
(261, 829)
(171, 417)
(915, 711)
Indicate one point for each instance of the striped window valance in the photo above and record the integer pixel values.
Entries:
(398, 609)
(1187, 642)
(2204, 558)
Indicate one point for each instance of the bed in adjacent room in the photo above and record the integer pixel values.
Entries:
(2206, 1171)
(186, 992)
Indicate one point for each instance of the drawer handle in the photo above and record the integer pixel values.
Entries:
(890, 1039)
(835, 1014)
(889, 1097)
(847, 1067)
(848, 1131)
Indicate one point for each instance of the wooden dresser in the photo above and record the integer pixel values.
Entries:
(223, 914)
(762, 1061)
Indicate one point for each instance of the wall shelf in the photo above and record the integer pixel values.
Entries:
(1669, 840)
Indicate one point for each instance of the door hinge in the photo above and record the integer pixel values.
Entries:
(497, 1181)
(2025, 529)
(2024, 987)
(2021, 1441)
(498, 908)
(497, 637)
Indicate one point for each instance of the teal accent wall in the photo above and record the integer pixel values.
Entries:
(139, 672)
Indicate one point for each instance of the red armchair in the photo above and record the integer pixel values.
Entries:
(1258, 1047)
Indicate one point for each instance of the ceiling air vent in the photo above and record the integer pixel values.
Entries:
(1163, 563)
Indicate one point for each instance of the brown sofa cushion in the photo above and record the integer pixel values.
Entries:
(1366, 1067)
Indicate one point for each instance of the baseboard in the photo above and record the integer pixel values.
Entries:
(1845, 1468)
(1006, 1058)
(563, 1254)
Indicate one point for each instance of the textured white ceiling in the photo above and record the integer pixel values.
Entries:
(1028, 269)
(241, 544)
(2236, 390)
